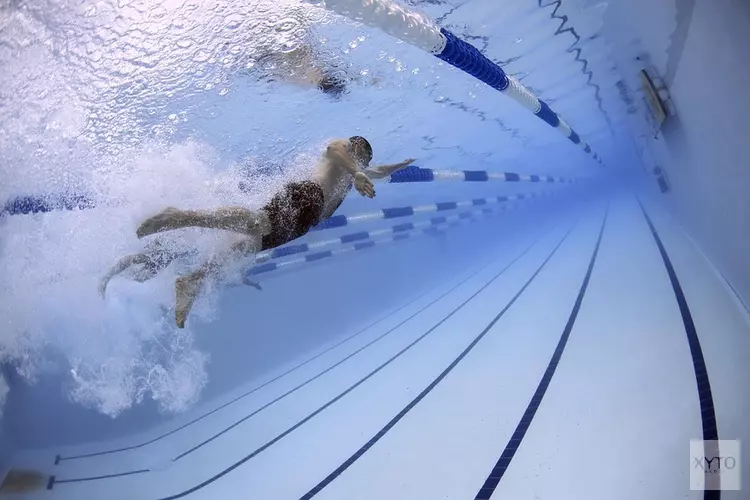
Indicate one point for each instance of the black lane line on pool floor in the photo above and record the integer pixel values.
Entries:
(336, 473)
(53, 480)
(705, 396)
(493, 479)
(59, 458)
(361, 381)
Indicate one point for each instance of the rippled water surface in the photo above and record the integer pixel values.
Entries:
(144, 104)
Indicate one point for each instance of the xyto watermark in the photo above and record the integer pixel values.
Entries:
(715, 465)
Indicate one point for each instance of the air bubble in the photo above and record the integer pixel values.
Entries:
(233, 21)
(158, 13)
(286, 25)
(201, 56)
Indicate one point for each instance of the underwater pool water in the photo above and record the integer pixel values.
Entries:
(522, 330)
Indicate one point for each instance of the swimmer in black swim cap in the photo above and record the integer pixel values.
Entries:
(302, 67)
(332, 85)
(291, 213)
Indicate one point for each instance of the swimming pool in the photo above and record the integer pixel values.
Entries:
(517, 315)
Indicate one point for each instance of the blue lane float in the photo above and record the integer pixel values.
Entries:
(23, 205)
(434, 230)
(467, 58)
(273, 266)
(418, 174)
(362, 236)
(408, 211)
(366, 239)
(417, 29)
(32, 204)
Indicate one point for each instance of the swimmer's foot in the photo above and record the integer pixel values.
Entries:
(253, 284)
(168, 218)
(187, 289)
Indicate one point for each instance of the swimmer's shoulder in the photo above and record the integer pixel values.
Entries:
(336, 149)
(338, 144)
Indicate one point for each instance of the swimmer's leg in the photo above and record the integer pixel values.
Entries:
(188, 287)
(237, 219)
(121, 265)
(186, 290)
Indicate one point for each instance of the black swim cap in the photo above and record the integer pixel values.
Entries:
(360, 143)
(332, 85)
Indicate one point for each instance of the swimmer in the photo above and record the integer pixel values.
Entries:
(289, 215)
(308, 65)
(303, 68)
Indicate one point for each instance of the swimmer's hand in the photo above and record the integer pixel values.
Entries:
(364, 185)
(406, 162)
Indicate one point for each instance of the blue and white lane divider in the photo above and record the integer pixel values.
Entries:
(313, 257)
(418, 174)
(408, 211)
(22, 205)
(429, 229)
(363, 236)
(417, 29)
(362, 239)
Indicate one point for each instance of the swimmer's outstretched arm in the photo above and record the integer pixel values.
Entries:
(383, 171)
(123, 264)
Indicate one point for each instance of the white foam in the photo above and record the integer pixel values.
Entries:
(125, 348)
(102, 105)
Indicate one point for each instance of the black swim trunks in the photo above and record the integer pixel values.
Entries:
(292, 212)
